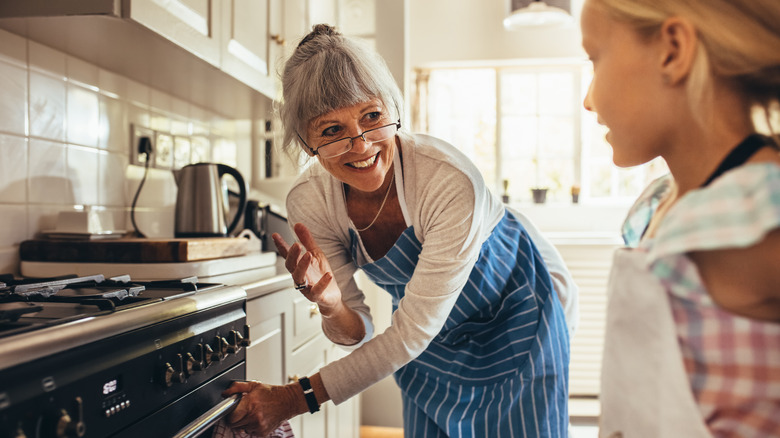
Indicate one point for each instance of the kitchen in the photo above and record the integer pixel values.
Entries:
(78, 92)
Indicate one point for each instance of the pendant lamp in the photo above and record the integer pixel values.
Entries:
(534, 13)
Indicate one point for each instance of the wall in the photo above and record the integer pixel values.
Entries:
(65, 143)
(447, 31)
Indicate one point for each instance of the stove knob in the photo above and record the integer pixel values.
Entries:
(191, 364)
(236, 341)
(72, 428)
(209, 355)
(222, 348)
(167, 374)
(247, 340)
(179, 376)
(199, 358)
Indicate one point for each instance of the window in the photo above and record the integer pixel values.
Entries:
(525, 127)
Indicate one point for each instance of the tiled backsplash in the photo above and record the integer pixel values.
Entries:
(65, 143)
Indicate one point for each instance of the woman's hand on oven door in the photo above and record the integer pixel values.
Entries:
(263, 407)
(310, 270)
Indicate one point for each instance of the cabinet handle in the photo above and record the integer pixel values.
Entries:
(294, 378)
(314, 310)
(278, 38)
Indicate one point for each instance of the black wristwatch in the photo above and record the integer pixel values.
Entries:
(308, 393)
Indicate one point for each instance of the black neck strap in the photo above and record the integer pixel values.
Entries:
(740, 154)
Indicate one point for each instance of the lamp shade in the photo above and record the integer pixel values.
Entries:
(529, 13)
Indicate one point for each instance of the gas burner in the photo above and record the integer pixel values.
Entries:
(28, 304)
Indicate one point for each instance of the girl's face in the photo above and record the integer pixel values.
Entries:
(364, 167)
(627, 90)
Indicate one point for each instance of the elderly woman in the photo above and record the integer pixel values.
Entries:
(479, 341)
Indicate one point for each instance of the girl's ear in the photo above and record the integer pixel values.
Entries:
(679, 42)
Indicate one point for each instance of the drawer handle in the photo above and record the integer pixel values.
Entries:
(294, 378)
(314, 310)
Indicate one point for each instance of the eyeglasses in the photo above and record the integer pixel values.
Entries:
(344, 145)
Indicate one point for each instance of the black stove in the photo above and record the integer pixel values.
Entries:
(113, 357)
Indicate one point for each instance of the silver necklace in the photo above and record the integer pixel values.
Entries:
(390, 187)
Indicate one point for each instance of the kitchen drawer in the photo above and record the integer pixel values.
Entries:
(305, 361)
(306, 320)
(269, 319)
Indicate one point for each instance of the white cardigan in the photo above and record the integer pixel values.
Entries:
(443, 195)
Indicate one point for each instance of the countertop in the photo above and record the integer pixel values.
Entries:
(280, 279)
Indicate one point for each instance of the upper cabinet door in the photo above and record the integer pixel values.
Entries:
(191, 24)
(253, 42)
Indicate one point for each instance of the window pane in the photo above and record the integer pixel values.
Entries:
(462, 111)
(556, 91)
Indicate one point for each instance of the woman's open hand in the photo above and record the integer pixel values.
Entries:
(308, 264)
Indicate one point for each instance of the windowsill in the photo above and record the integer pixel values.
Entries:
(586, 223)
(584, 409)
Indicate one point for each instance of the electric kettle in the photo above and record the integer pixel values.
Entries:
(202, 204)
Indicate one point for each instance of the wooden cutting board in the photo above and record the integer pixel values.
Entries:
(134, 250)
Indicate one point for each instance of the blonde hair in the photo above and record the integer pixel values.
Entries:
(329, 71)
(740, 42)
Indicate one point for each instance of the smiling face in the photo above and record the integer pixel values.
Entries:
(627, 91)
(365, 166)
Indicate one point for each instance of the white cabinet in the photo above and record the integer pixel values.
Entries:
(191, 24)
(252, 42)
(306, 360)
(288, 343)
(269, 319)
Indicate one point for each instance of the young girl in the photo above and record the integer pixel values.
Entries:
(693, 332)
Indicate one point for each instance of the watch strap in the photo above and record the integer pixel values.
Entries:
(308, 393)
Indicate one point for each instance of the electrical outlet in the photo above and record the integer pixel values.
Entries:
(136, 156)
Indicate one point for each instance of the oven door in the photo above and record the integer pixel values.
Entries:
(171, 419)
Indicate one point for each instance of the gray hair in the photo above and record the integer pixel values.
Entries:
(328, 71)
(740, 42)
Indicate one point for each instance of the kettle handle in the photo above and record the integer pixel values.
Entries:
(223, 169)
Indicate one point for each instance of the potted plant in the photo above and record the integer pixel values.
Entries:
(538, 191)
(539, 194)
(575, 194)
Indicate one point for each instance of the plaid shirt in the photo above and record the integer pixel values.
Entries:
(732, 362)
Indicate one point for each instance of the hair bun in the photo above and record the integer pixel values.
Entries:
(317, 30)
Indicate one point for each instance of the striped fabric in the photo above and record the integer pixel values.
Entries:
(499, 367)
(733, 362)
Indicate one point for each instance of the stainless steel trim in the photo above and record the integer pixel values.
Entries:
(210, 418)
(26, 347)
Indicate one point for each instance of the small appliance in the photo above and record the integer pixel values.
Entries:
(202, 203)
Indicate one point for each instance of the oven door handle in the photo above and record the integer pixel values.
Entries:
(210, 418)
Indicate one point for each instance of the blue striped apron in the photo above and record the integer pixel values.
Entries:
(499, 366)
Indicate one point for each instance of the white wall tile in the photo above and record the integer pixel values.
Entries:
(43, 217)
(111, 181)
(114, 132)
(83, 120)
(48, 180)
(137, 93)
(47, 60)
(13, 169)
(112, 83)
(47, 106)
(9, 260)
(13, 48)
(13, 98)
(83, 174)
(14, 228)
(153, 222)
(82, 72)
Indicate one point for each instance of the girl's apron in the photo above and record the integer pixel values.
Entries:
(645, 390)
(499, 367)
